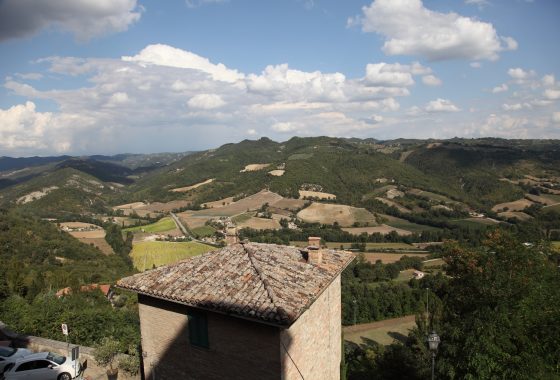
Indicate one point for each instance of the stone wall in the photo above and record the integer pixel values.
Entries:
(311, 347)
(238, 349)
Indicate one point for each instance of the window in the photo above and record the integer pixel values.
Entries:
(198, 329)
(42, 364)
(26, 366)
(7, 351)
(58, 359)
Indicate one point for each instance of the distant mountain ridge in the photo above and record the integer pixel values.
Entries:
(472, 171)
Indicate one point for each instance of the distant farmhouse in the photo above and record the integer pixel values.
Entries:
(105, 289)
(247, 311)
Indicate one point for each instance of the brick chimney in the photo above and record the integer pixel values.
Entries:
(231, 235)
(315, 254)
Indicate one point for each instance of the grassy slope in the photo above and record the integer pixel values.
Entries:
(383, 332)
(77, 192)
(475, 167)
(149, 253)
(162, 225)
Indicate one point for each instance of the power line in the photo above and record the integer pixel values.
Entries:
(285, 349)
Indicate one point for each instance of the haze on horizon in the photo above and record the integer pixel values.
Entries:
(111, 76)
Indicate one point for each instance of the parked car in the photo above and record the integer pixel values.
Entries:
(9, 354)
(42, 366)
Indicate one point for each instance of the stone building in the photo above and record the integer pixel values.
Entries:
(247, 311)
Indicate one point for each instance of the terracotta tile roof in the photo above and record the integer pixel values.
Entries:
(266, 282)
(105, 288)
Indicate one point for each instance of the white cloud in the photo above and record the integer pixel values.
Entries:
(520, 74)
(289, 84)
(501, 88)
(552, 94)
(151, 107)
(179, 85)
(516, 106)
(556, 117)
(548, 80)
(479, 3)
(117, 99)
(431, 80)
(411, 29)
(25, 130)
(475, 65)
(30, 76)
(83, 18)
(165, 55)
(285, 127)
(206, 101)
(384, 74)
(199, 3)
(441, 105)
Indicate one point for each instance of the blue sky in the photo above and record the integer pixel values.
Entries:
(111, 76)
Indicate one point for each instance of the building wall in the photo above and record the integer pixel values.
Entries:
(239, 349)
(314, 340)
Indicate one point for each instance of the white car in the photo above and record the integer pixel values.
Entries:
(43, 366)
(9, 355)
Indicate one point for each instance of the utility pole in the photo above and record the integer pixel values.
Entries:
(427, 309)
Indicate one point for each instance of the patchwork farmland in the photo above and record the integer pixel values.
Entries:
(147, 254)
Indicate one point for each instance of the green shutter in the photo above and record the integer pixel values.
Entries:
(198, 329)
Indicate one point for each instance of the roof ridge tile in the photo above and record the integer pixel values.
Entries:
(271, 295)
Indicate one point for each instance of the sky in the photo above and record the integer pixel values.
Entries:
(142, 76)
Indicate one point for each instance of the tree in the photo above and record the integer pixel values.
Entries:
(105, 354)
(501, 314)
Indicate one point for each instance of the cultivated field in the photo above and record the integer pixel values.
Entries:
(252, 202)
(288, 204)
(315, 194)
(383, 229)
(203, 231)
(388, 258)
(133, 205)
(162, 225)
(219, 203)
(254, 167)
(124, 221)
(81, 225)
(192, 187)
(100, 243)
(147, 254)
(515, 214)
(404, 224)
(192, 220)
(432, 196)
(486, 221)
(403, 248)
(151, 209)
(394, 204)
(88, 234)
(260, 224)
(555, 208)
(542, 199)
(277, 173)
(382, 332)
(330, 213)
(518, 205)
(93, 234)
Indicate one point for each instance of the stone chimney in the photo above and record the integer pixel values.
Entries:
(231, 235)
(315, 254)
